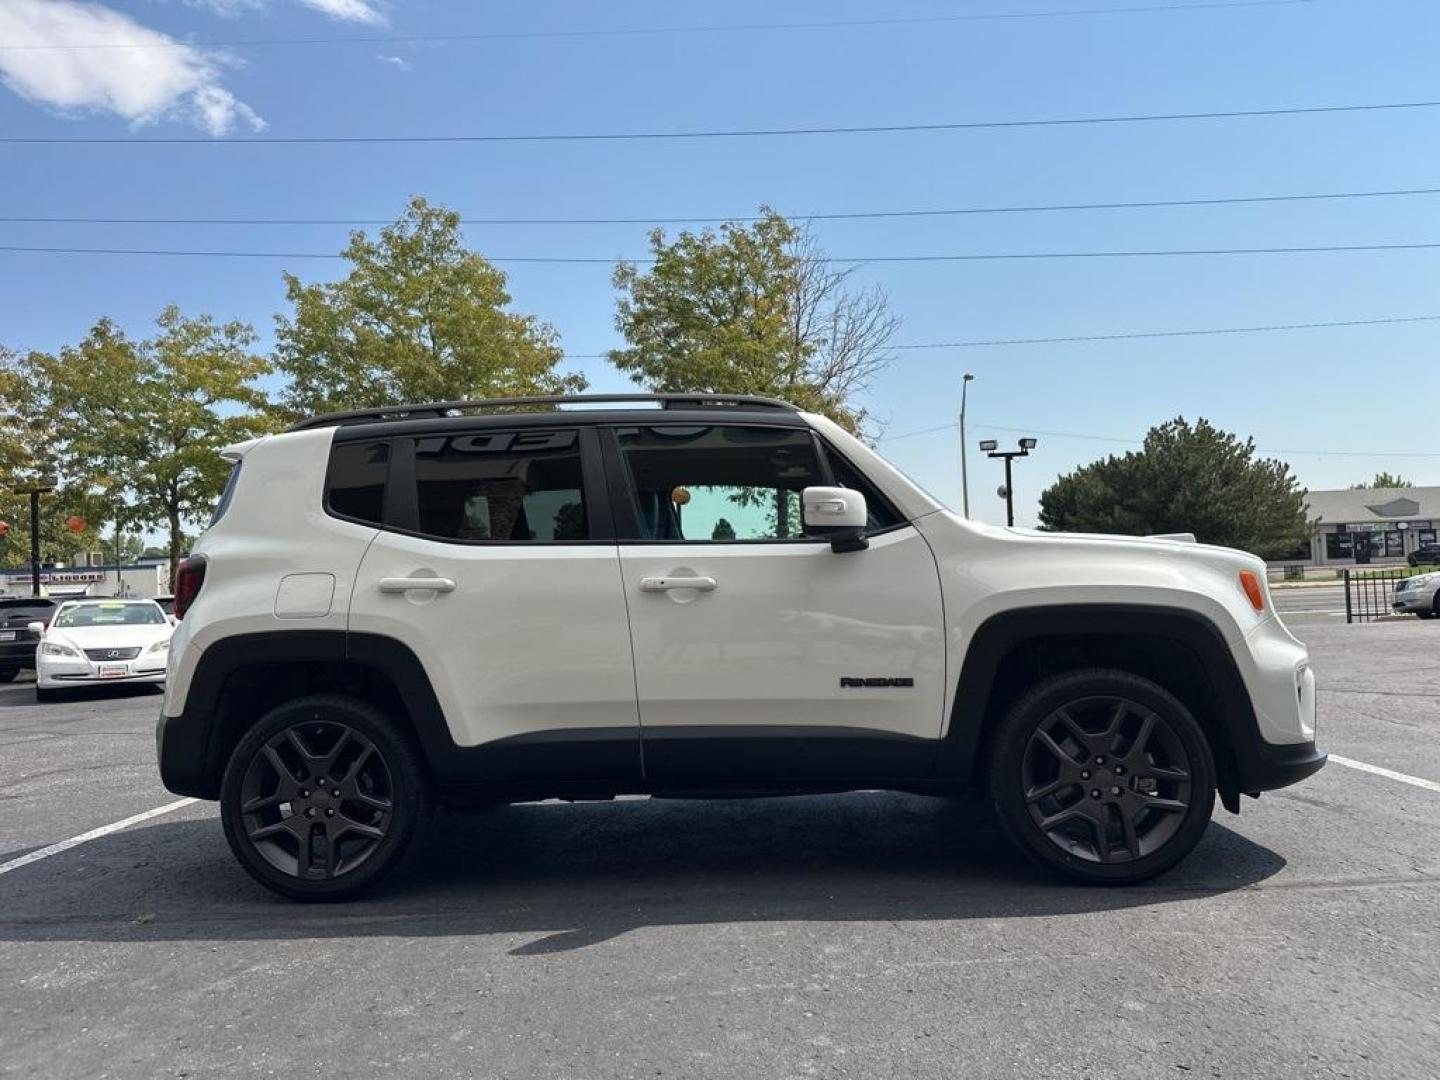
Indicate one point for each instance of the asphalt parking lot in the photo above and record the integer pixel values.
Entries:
(850, 936)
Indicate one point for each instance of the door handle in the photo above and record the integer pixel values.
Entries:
(416, 584)
(665, 584)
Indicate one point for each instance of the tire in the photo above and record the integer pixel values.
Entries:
(312, 842)
(1162, 783)
(45, 696)
(8, 674)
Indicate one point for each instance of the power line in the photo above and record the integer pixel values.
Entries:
(1124, 337)
(652, 31)
(1169, 333)
(731, 133)
(954, 426)
(846, 260)
(852, 215)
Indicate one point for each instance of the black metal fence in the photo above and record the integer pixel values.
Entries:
(1368, 593)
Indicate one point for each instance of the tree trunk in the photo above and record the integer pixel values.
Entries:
(175, 537)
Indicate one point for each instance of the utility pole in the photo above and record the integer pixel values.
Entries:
(1007, 490)
(35, 490)
(964, 468)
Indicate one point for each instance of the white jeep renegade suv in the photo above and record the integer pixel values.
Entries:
(482, 602)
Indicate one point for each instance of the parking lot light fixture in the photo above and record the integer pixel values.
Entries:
(1007, 492)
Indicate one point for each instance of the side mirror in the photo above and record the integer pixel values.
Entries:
(838, 513)
(36, 627)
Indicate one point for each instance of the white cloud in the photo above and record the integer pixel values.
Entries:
(162, 80)
(359, 11)
(348, 10)
(396, 61)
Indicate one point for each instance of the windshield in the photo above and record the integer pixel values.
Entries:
(120, 614)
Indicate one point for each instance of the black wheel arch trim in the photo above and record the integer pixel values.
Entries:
(1253, 766)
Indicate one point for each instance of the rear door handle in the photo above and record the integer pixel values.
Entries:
(416, 584)
(665, 584)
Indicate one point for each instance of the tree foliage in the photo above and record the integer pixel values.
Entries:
(138, 425)
(1383, 479)
(1187, 478)
(27, 455)
(754, 309)
(419, 317)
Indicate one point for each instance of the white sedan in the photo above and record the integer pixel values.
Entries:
(102, 641)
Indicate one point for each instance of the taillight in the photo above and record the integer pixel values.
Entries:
(189, 576)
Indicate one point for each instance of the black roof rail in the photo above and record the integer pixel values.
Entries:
(439, 409)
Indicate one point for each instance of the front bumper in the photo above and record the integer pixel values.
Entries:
(1275, 767)
(1413, 600)
(58, 672)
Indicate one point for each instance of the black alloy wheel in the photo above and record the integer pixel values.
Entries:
(322, 797)
(1103, 775)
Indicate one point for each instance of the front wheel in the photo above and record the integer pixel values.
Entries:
(1102, 775)
(323, 797)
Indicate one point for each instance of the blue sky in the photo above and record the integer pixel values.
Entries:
(1363, 390)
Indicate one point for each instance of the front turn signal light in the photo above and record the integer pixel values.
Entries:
(1254, 592)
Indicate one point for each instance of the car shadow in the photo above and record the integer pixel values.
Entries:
(580, 875)
(22, 693)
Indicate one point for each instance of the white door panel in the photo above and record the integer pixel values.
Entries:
(771, 629)
(516, 638)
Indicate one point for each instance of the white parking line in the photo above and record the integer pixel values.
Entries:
(1351, 763)
(93, 834)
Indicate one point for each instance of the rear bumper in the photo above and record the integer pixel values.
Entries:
(20, 654)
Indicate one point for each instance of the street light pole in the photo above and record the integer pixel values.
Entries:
(35, 490)
(1009, 495)
(964, 468)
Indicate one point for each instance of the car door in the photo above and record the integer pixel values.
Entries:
(523, 634)
(760, 653)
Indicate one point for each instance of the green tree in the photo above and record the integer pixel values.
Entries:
(1187, 478)
(138, 424)
(28, 454)
(419, 317)
(754, 309)
(1383, 480)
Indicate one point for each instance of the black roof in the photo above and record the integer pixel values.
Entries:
(533, 409)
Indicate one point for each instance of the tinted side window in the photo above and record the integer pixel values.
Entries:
(502, 486)
(880, 515)
(718, 483)
(357, 480)
(226, 494)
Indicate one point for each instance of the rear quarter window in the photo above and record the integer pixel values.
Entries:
(355, 485)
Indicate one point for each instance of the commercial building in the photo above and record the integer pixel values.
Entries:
(145, 579)
(1370, 524)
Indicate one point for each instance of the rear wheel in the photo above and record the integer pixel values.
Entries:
(323, 797)
(1102, 775)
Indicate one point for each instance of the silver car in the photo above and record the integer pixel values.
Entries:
(1420, 594)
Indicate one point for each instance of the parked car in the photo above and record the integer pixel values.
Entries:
(1425, 555)
(102, 641)
(167, 605)
(1419, 593)
(17, 639)
(694, 596)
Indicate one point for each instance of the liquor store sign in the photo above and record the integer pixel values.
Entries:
(56, 577)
